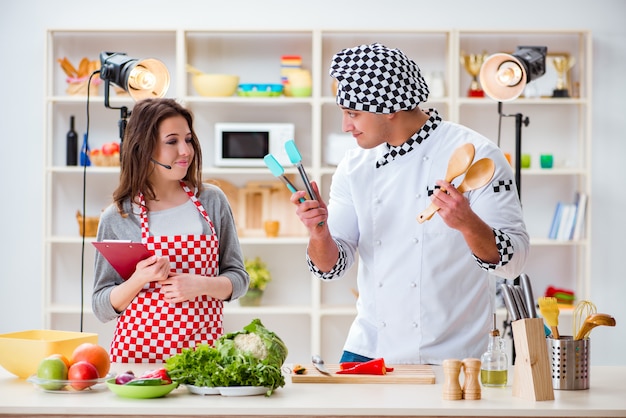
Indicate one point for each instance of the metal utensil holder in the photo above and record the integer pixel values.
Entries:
(570, 363)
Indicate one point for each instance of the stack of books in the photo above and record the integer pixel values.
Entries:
(568, 222)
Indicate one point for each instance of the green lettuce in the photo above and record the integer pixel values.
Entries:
(251, 357)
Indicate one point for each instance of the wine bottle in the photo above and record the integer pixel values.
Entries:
(71, 145)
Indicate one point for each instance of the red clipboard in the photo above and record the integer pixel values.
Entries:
(123, 255)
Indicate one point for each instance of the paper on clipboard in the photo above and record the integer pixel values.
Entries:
(123, 255)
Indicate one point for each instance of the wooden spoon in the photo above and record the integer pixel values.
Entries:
(479, 174)
(593, 321)
(458, 164)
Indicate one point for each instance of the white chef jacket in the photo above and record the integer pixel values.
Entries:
(423, 297)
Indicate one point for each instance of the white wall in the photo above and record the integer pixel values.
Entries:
(23, 26)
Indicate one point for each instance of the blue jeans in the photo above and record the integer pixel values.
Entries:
(349, 356)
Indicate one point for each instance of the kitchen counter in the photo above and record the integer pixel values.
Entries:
(605, 398)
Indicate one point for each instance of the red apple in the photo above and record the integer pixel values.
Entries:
(110, 148)
(82, 374)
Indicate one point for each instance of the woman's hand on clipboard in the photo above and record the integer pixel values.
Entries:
(152, 269)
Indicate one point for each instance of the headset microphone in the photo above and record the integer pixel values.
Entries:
(169, 167)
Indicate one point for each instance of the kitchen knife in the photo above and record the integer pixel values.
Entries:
(509, 302)
(528, 295)
(518, 296)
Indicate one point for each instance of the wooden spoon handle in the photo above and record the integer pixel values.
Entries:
(427, 213)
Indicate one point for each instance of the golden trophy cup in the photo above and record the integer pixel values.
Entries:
(472, 64)
(562, 64)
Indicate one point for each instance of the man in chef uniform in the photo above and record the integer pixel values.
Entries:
(426, 290)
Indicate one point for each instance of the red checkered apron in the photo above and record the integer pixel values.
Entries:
(151, 330)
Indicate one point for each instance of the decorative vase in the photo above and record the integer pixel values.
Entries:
(251, 298)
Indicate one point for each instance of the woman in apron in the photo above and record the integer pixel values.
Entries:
(174, 299)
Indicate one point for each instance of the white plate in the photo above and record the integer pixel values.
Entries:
(228, 390)
(243, 390)
(202, 390)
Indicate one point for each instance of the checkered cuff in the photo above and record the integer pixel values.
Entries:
(336, 271)
(505, 248)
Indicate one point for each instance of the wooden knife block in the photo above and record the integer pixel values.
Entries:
(532, 377)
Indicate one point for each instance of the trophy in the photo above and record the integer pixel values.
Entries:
(472, 64)
(562, 64)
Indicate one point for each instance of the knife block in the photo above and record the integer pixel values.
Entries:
(532, 377)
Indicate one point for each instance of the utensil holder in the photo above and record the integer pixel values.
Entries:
(570, 363)
(531, 378)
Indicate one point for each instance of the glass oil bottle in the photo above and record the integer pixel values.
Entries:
(494, 362)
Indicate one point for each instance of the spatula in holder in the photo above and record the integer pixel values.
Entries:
(532, 377)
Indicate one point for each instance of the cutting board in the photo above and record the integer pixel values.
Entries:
(405, 373)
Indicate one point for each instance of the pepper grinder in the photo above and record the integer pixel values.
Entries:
(471, 385)
(451, 387)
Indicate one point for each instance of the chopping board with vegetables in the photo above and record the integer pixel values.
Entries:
(405, 373)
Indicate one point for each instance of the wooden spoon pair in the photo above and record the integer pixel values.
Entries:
(477, 175)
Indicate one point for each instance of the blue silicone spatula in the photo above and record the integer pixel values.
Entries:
(296, 159)
(279, 172)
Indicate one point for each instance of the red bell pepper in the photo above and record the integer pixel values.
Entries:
(349, 364)
(158, 374)
(375, 366)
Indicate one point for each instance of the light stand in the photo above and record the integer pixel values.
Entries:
(519, 121)
(504, 77)
(142, 79)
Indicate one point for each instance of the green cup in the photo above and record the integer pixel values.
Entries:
(525, 160)
(546, 160)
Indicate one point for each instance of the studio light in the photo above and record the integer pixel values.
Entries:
(504, 76)
(142, 79)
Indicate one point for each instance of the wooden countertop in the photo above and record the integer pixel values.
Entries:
(605, 398)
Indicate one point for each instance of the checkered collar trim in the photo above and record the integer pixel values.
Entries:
(397, 151)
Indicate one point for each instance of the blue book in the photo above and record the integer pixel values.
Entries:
(556, 220)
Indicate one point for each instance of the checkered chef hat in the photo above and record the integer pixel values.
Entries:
(377, 79)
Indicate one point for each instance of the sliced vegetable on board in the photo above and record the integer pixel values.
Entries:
(375, 367)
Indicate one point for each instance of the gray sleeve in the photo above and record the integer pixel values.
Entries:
(112, 226)
(231, 257)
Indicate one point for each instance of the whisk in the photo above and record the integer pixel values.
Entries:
(583, 309)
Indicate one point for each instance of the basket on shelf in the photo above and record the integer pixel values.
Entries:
(98, 158)
(91, 224)
(78, 86)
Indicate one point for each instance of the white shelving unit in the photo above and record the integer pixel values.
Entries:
(312, 317)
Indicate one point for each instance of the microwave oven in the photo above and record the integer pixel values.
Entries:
(245, 144)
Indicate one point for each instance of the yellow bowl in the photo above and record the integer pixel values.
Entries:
(215, 85)
(21, 352)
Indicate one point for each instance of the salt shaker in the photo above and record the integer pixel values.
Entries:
(451, 387)
(471, 385)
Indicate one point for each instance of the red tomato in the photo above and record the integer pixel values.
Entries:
(83, 375)
(110, 148)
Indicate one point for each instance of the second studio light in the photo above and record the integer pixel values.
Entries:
(504, 76)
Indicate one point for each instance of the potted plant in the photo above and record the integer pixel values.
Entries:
(259, 278)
